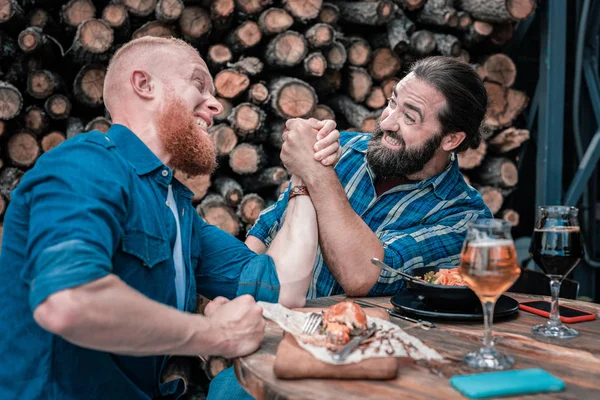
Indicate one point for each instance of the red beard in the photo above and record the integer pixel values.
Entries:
(190, 149)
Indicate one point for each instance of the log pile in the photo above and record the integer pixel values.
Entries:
(272, 60)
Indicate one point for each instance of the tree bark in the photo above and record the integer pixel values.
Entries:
(366, 13)
(447, 45)
(268, 177)
(9, 180)
(195, 25)
(227, 107)
(154, 28)
(399, 31)
(74, 127)
(292, 98)
(498, 171)
(250, 66)
(509, 139)
(438, 12)
(502, 34)
(357, 115)
(98, 124)
(510, 216)
(498, 10)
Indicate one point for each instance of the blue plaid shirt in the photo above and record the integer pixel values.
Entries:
(419, 224)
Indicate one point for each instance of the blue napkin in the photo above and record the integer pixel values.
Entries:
(506, 383)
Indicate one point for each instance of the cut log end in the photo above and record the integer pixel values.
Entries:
(41, 84)
(329, 14)
(23, 149)
(11, 101)
(98, 124)
(286, 49)
(385, 64)
(320, 35)
(96, 36)
(336, 56)
(315, 65)
(230, 83)
(323, 112)
(258, 93)
(58, 107)
(75, 12)
(52, 140)
(194, 23)
(89, 84)
(376, 98)
(35, 119)
(274, 21)
(511, 216)
(115, 15)
(169, 10)
(359, 53)
(303, 10)
(472, 158)
(250, 208)
(224, 138)
(154, 28)
(246, 119)
(140, 8)
(500, 68)
(219, 54)
(199, 184)
(492, 197)
(226, 109)
(215, 212)
(293, 98)
(246, 159)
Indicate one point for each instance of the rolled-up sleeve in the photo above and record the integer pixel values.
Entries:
(423, 245)
(228, 268)
(77, 203)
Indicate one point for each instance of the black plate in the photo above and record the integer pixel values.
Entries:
(414, 304)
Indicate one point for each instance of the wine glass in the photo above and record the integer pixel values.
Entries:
(556, 247)
(488, 263)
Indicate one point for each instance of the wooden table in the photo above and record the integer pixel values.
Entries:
(576, 361)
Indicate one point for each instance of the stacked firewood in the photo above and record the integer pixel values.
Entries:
(271, 60)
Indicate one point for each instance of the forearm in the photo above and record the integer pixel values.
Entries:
(294, 250)
(347, 242)
(110, 316)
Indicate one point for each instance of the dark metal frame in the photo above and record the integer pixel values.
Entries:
(548, 106)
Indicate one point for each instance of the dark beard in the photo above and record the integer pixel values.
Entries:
(388, 163)
(190, 149)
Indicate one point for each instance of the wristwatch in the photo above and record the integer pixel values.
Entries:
(298, 191)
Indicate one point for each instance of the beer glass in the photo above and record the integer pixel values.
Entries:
(488, 263)
(556, 247)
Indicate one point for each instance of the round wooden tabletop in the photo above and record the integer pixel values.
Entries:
(576, 361)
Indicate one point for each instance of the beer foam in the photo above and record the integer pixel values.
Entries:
(562, 229)
(491, 243)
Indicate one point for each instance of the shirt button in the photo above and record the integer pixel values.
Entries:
(107, 138)
(165, 172)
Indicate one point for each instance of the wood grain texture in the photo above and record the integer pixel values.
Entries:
(576, 362)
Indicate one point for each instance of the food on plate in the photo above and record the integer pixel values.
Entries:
(342, 321)
(447, 277)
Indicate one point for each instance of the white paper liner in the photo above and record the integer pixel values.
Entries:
(389, 340)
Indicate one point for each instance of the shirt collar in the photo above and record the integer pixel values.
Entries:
(134, 150)
(442, 183)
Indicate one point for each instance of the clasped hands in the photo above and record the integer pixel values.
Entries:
(309, 145)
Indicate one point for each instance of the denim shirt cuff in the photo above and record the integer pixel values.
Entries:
(259, 279)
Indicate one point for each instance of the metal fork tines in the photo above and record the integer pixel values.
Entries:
(313, 322)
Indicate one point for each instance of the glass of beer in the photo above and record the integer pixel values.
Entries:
(556, 247)
(488, 263)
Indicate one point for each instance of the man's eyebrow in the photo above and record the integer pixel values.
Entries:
(395, 91)
(415, 109)
(201, 71)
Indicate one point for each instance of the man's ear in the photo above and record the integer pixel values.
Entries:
(452, 140)
(141, 83)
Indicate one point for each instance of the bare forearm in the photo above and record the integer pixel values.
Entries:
(109, 315)
(294, 250)
(347, 243)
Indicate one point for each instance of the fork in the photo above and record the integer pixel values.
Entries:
(312, 323)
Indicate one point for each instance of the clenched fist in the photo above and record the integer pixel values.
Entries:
(238, 323)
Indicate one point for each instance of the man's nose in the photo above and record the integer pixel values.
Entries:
(389, 123)
(214, 106)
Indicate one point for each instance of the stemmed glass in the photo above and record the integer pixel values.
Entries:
(488, 263)
(556, 247)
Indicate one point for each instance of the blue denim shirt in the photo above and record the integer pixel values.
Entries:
(93, 206)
